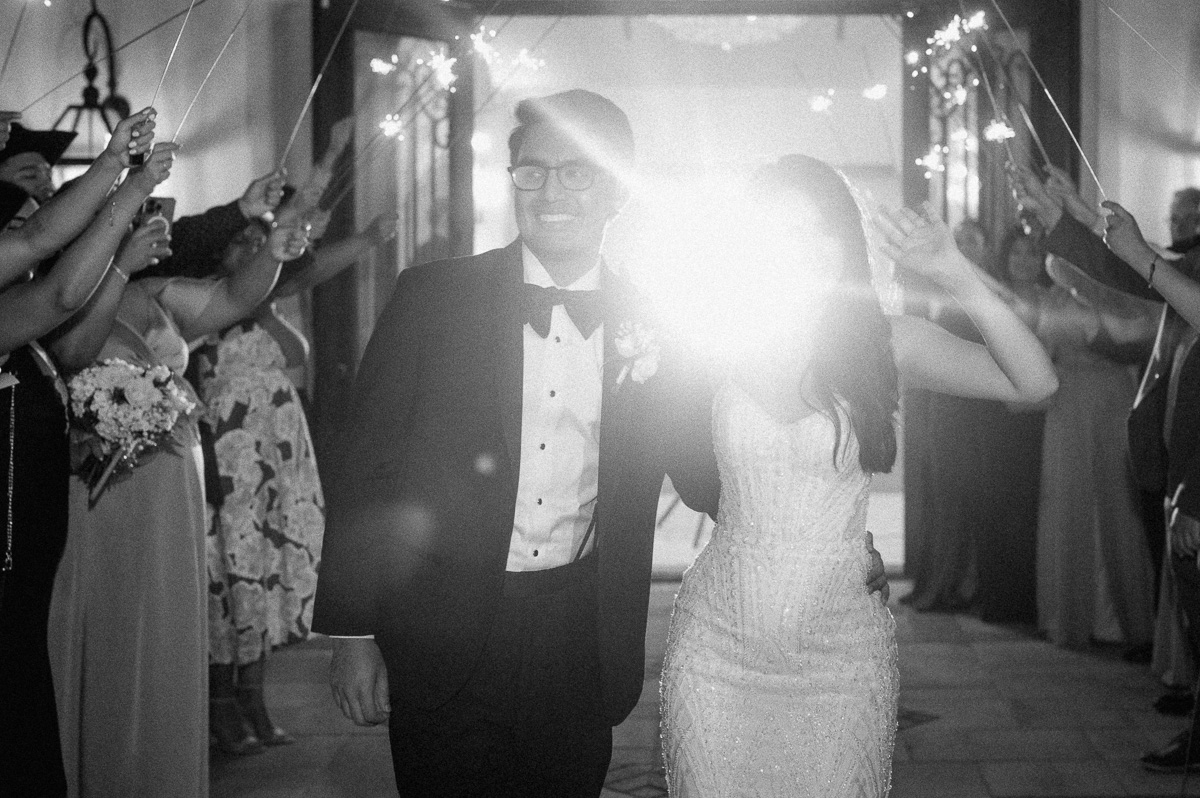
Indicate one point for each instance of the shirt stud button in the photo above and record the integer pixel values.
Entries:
(553, 394)
(539, 501)
(535, 552)
(541, 446)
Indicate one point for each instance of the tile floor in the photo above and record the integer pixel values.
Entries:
(986, 711)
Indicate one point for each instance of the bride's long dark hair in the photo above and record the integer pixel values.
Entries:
(852, 367)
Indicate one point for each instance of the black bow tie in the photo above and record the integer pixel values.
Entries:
(584, 308)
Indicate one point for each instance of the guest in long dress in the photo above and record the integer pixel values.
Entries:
(1095, 580)
(971, 481)
(264, 543)
(129, 632)
(34, 461)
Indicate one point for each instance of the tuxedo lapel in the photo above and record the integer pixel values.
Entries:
(616, 409)
(509, 355)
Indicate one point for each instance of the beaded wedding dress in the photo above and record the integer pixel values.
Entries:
(780, 676)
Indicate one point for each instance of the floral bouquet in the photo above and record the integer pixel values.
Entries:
(118, 411)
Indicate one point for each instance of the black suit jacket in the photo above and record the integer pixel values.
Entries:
(422, 496)
(1169, 465)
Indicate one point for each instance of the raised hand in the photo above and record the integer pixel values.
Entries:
(1033, 195)
(1124, 237)
(318, 221)
(924, 244)
(262, 195)
(134, 135)
(6, 120)
(157, 167)
(1060, 186)
(289, 239)
(144, 246)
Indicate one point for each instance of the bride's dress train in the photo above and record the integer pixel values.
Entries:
(780, 676)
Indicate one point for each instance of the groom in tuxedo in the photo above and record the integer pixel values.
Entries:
(491, 512)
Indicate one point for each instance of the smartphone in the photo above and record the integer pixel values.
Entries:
(163, 207)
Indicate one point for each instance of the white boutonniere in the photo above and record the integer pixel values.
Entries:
(7, 379)
(637, 346)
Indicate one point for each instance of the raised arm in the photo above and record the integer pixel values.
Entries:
(329, 260)
(1011, 366)
(33, 309)
(1074, 241)
(65, 215)
(1173, 281)
(235, 296)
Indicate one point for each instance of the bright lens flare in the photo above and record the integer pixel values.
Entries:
(876, 92)
(731, 275)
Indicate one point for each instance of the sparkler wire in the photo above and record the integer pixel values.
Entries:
(107, 56)
(237, 25)
(1157, 52)
(321, 74)
(1050, 97)
(11, 42)
(174, 47)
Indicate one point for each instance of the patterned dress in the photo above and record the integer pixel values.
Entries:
(267, 523)
(780, 678)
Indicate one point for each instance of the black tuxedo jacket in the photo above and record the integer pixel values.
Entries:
(422, 493)
(1169, 465)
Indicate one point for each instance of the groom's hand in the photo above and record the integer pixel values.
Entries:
(359, 680)
(876, 576)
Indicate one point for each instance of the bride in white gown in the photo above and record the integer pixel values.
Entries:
(780, 677)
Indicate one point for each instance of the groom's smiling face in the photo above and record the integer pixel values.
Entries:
(558, 224)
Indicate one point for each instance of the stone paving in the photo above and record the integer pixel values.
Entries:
(985, 711)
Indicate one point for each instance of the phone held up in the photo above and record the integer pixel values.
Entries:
(156, 207)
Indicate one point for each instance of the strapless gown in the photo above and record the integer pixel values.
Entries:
(780, 677)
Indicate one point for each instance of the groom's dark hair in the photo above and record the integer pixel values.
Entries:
(594, 122)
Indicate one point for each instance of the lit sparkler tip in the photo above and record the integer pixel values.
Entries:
(392, 127)
(820, 103)
(381, 67)
(876, 92)
(998, 130)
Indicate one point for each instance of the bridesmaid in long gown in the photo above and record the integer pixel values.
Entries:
(129, 620)
(34, 460)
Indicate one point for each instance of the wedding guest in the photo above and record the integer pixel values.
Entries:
(1164, 425)
(268, 510)
(128, 620)
(198, 242)
(34, 459)
(972, 539)
(1095, 579)
(29, 156)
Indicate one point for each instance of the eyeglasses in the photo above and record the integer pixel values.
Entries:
(572, 176)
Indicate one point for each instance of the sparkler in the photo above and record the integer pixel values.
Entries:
(1033, 133)
(11, 42)
(174, 47)
(237, 25)
(107, 56)
(1157, 52)
(313, 91)
(1050, 97)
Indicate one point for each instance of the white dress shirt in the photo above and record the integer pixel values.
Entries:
(560, 434)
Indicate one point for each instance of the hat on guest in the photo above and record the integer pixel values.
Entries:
(12, 198)
(50, 144)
